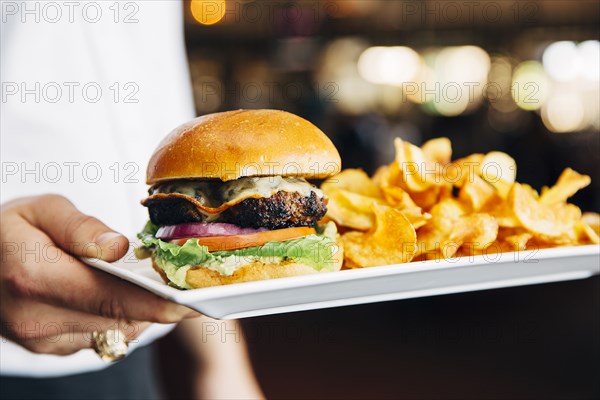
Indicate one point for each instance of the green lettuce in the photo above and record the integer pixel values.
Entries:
(317, 251)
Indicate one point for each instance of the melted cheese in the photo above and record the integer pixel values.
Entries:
(216, 193)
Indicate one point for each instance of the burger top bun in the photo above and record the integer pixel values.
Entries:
(233, 144)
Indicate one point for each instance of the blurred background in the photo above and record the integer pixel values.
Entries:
(517, 76)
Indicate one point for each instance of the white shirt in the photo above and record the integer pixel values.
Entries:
(88, 91)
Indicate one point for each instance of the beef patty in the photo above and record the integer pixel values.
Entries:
(282, 210)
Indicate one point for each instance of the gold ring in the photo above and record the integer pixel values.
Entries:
(110, 345)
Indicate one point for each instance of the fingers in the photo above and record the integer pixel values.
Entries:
(64, 281)
(36, 320)
(77, 233)
(108, 296)
(63, 332)
(79, 287)
(101, 294)
(64, 344)
(52, 303)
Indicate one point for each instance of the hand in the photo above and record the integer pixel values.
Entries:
(50, 302)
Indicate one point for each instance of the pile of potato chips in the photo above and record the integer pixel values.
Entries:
(425, 206)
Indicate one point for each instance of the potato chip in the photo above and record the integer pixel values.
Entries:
(506, 232)
(499, 209)
(466, 167)
(350, 209)
(498, 166)
(537, 243)
(359, 202)
(446, 212)
(392, 241)
(427, 198)
(444, 216)
(438, 150)
(476, 193)
(477, 231)
(416, 216)
(585, 234)
(394, 176)
(575, 234)
(506, 167)
(592, 219)
(417, 173)
(566, 239)
(389, 176)
(516, 242)
(397, 197)
(352, 180)
(567, 185)
(381, 177)
(410, 202)
(549, 221)
(429, 238)
(532, 192)
(506, 220)
(349, 264)
(390, 182)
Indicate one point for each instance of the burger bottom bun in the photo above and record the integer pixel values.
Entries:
(200, 277)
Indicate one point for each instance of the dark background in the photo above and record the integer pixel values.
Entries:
(533, 342)
(277, 60)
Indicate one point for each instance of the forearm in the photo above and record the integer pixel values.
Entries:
(220, 348)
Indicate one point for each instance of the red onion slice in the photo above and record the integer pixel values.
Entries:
(203, 229)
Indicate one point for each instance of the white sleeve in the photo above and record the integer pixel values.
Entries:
(88, 91)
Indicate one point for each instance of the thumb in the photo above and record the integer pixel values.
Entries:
(76, 233)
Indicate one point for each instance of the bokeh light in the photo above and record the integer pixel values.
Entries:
(389, 65)
(338, 71)
(499, 83)
(455, 80)
(564, 112)
(208, 12)
(460, 73)
(562, 61)
(589, 52)
(530, 85)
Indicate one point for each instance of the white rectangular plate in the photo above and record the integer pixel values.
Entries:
(367, 285)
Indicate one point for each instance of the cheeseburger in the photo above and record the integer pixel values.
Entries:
(230, 201)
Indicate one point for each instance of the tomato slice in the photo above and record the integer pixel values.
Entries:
(234, 242)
